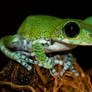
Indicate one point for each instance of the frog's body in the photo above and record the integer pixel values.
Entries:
(36, 35)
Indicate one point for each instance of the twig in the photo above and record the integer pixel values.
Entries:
(55, 85)
(18, 86)
(41, 75)
(3, 90)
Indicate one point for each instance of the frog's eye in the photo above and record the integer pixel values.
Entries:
(71, 29)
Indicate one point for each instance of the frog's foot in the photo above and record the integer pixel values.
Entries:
(51, 62)
(74, 71)
(22, 59)
(68, 64)
(49, 65)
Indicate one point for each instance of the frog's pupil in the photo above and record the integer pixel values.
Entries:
(71, 29)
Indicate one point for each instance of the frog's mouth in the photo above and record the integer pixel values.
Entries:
(59, 46)
(54, 46)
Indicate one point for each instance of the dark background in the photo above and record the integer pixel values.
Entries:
(13, 13)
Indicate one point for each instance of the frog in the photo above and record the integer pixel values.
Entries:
(42, 34)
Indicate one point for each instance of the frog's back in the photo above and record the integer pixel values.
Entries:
(38, 26)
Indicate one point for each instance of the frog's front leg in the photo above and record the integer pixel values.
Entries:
(68, 64)
(11, 42)
(44, 61)
(40, 55)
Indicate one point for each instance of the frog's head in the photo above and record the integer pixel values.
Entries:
(76, 32)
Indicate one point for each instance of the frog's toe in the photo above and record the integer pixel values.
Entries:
(62, 72)
(74, 71)
(67, 66)
(27, 66)
(71, 68)
(54, 71)
(21, 57)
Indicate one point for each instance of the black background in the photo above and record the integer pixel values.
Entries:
(12, 13)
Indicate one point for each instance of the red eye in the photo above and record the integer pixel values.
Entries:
(71, 29)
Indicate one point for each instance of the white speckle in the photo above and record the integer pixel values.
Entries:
(40, 64)
(65, 40)
(32, 54)
(2, 47)
(25, 42)
(56, 61)
(53, 70)
(29, 45)
(83, 43)
(61, 62)
(35, 62)
(29, 68)
(42, 41)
